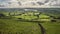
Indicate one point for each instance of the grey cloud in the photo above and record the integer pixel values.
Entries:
(40, 3)
(46, 1)
(12, 3)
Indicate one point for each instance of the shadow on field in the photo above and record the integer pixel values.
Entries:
(25, 20)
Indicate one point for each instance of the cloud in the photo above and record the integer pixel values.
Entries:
(28, 3)
(53, 3)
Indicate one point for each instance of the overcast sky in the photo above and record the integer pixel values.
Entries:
(29, 3)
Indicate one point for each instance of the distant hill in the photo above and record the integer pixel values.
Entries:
(55, 11)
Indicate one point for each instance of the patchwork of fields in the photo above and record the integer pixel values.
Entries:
(29, 22)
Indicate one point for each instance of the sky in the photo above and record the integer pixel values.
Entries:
(29, 3)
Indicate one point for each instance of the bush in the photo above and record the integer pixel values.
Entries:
(2, 15)
(53, 20)
(19, 18)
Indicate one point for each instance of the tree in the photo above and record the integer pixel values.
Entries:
(2, 15)
(9, 13)
(53, 20)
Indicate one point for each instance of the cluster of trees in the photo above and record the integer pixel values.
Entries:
(2, 15)
(54, 19)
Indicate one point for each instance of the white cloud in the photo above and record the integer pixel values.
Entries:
(29, 3)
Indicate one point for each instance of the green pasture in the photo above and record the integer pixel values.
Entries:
(16, 24)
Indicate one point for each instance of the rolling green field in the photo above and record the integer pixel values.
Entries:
(13, 26)
(28, 23)
(19, 27)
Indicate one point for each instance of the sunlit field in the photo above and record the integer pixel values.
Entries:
(30, 22)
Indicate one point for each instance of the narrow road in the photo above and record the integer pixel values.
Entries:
(43, 31)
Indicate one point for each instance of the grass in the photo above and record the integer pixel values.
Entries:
(8, 25)
(14, 26)
(52, 28)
